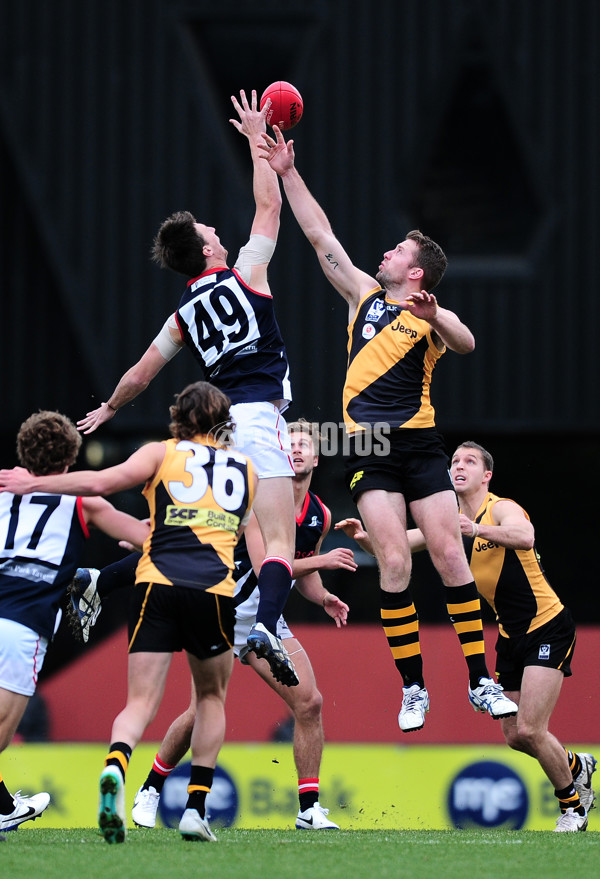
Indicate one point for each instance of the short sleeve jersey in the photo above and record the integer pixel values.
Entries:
(42, 539)
(233, 333)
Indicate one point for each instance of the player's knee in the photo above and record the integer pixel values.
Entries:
(310, 707)
(523, 737)
(450, 562)
(394, 566)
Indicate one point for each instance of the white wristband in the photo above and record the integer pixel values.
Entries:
(475, 531)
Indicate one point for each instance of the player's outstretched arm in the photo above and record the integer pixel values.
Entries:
(117, 524)
(267, 194)
(350, 282)
(133, 382)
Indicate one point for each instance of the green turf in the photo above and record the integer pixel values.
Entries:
(288, 854)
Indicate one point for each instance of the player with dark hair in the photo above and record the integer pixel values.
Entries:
(227, 320)
(42, 535)
(199, 494)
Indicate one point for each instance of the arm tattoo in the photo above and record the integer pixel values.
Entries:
(331, 260)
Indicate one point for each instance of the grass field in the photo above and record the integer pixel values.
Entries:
(369, 854)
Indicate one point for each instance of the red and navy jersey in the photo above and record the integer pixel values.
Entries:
(309, 526)
(42, 538)
(232, 332)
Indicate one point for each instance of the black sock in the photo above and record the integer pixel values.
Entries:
(119, 754)
(574, 763)
(308, 792)
(464, 609)
(401, 626)
(568, 798)
(7, 803)
(201, 779)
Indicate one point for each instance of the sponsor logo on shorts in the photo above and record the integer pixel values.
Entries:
(356, 478)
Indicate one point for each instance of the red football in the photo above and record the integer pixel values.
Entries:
(286, 105)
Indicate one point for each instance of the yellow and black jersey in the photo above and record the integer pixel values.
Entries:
(391, 357)
(198, 499)
(512, 581)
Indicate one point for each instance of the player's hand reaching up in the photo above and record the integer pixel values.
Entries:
(278, 153)
(252, 122)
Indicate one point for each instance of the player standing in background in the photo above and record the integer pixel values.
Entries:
(227, 320)
(397, 333)
(536, 636)
(42, 535)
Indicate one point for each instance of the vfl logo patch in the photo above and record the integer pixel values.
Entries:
(357, 476)
(544, 651)
(375, 311)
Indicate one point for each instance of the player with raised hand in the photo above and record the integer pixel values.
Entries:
(227, 320)
(397, 334)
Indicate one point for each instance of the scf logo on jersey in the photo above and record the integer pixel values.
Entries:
(221, 803)
(488, 794)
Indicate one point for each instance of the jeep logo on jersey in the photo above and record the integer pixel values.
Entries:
(221, 803)
(488, 794)
(399, 327)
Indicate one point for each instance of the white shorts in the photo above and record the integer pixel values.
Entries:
(22, 654)
(261, 434)
(242, 630)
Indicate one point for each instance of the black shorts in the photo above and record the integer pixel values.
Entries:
(550, 646)
(168, 619)
(413, 463)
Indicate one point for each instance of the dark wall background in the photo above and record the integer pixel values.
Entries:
(475, 120)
